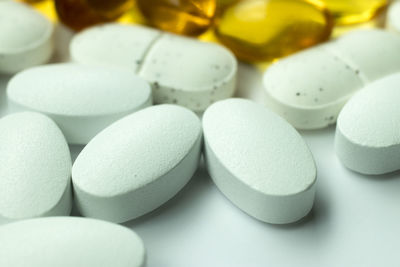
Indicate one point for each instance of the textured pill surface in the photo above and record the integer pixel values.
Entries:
(25, 37)
(259, 162)
(368, 128)
(113, 44)
(190, 17)
(190, 73)
(82, 100)
(305, 88)
(181, 70)
(260, 30)
(137, 163)
(35, 168)
(310, 88)
(393, 17)
(69, 241)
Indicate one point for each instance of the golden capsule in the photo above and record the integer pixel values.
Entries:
(189, 17)
(79, 14)
(354, 11)
(263, 30)
(32, 1)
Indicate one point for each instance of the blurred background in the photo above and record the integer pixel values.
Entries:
(256, 31)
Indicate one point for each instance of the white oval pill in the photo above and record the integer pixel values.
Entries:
(113, 44)
(374, 53)
(69, 241)
(368, 129)
(182, 71)
(82, 100)
(35, 168)
(25, 37)
(259, 161)
(309, 89)
(137, 163)
(305, 88)
(393, 17)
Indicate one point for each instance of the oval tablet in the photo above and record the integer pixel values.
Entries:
(309, 89)
(305, 88)
(260, 162)
(379, 58)
(82, 100)
(137, 163)
(69, 241)
(181, 70)
(393, 17)
(25, 37)
(368, 129)
(35, 168)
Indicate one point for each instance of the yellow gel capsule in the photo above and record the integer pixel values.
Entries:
(32, 1)
(189, 17)
(79, 14)
(354, 11)
(263, 30)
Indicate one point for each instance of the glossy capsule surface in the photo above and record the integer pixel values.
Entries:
(79, 14)
(263, 30)
(188, 17)
(347, 12)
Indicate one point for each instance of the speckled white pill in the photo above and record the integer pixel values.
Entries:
(309, 88)
(393, 17)
(35, 168)
(368, 129)
(372, 53)
(306, 90)
(182, 70)
(69, 241)
(82, 100)
(137, 163)
(25, 37)
(259, 161)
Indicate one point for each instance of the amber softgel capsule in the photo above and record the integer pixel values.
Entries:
(182, 17)
(263, 30)
(79, 14)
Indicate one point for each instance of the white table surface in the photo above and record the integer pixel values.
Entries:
(355, 220)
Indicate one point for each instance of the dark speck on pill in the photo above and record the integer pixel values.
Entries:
(297, 94)
(156, 85)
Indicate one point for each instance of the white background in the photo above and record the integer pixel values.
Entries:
(355, 220)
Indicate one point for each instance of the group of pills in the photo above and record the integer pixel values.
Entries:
(138, 156)
(254, 30)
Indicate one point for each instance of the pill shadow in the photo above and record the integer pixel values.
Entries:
(318, 132)
(3, 95)
(190, 193)
(380, 178)
(249, 83)
(318, 213)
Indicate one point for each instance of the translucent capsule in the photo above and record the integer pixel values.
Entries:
(354, 11)
(79, 14)
(263, 30)
(189, 17)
